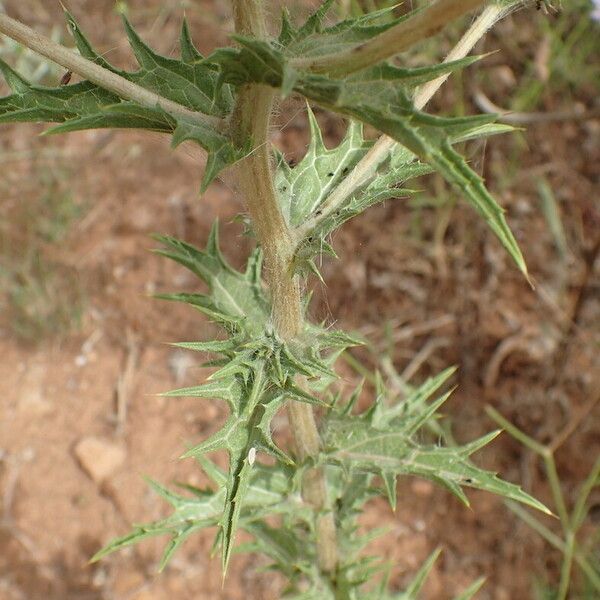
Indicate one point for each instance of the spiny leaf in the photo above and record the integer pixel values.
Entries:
(258, 62)
(190, 84)
(303, 188)
(216, 346)
(313, 38)
(389, 481)
(37, 103)
(189, 81)
(225, 389)
(189, 514)
(382, 97)
(416, 585)
(267, 491)
(280, 545)
(247, 430)
(237, 301)
(471, 590)
(415, 402)
(373, 442)
(234, 297)
(189, 52)
(377, 97)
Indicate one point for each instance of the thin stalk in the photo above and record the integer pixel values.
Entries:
(513, 430)
(570, 523)
(422, 25)
(579, 511)
(366, 168)
(556, 542)
(557, 495)
(251, 120)
(96, 74)
(567, 565)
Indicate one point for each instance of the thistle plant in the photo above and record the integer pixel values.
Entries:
(299, 503)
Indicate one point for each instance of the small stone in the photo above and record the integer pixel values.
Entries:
(356, 273)
(419, 525)
(31, 396)
(99, 458)
(128, 583)
(81, 360)
(35, 405)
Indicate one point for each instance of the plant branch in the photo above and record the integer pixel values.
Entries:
(251, 120)
(365, 169)
(96, 74)
(424, 24)
(555, 541)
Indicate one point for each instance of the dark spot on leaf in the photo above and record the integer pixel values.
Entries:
(64, 80)
(330, 174)
(345, 170)
(468, 480)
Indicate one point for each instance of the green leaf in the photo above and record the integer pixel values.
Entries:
(190, 514)
(189, 81)
(36, 103)
(313, 38)
(221, 151)
(303, 188)
(378, 97)
(216, 346)
(416, 585)
(382, 97)
(246, 431)
(383, 442)
(234, 298)
(257, 62)
(267, 491)
(471, 590)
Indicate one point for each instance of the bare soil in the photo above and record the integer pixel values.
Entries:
(432, 279)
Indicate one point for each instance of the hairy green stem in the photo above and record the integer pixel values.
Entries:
(96, 74)
(251, 120)
(424, 24)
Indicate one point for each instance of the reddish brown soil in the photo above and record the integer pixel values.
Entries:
(533, 354)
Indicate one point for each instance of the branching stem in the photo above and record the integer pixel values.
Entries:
(365, 169)
(96, 74)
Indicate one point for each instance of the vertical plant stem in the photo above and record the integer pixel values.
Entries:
(251, 120)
